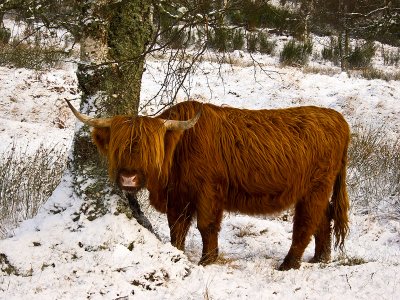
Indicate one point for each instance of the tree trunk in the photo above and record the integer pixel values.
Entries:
(113, 41)
(343, 36)
(306, 10)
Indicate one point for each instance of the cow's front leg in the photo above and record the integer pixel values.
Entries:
(209, 217)
(209, 235)
(179, 220)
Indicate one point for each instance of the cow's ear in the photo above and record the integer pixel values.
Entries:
(101, 137)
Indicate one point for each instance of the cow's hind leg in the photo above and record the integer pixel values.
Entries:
(323, 240)
(179, 220)
(309, 212)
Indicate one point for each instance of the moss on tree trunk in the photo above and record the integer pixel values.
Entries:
(113, 42)
(129, 32)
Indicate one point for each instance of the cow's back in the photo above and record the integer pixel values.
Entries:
(256, 155)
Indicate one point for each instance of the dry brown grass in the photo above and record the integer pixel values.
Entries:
(224, 259)
(329, 71)
(26, 182)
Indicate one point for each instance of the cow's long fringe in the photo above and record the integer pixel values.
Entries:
(138, 143)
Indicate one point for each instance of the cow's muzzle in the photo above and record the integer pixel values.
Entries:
(130, 181)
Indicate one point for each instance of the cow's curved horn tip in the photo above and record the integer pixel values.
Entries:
(182, 125)
(197, 116)
(68, 102)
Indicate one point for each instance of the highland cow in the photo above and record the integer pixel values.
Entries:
(201, 159)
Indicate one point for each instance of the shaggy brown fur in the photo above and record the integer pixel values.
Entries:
(249, 161)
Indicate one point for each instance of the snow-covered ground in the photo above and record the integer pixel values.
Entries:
(57, 255)
(32, 108)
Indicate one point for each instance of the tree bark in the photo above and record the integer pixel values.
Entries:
(113, 41)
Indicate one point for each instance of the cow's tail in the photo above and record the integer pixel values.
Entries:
(340, 205)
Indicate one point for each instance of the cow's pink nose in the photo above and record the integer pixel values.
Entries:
(130, 181)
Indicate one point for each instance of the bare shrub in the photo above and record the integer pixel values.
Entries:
(252, 42)
(361, 55)
(26, 182)
(296, 53)
(5, 35)
(391, 57)
(332, 51)
(31, 57)
(266, 45)
(374, 172)
(238, 40)
(372, 73)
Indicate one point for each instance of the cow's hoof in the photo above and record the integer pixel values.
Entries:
(208, 259)
(289, 264)
(320, 259)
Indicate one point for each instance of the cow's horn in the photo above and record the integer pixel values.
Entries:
(105, 122)
(181, 125)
